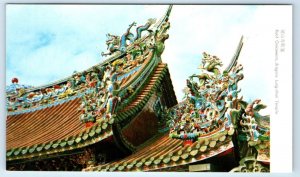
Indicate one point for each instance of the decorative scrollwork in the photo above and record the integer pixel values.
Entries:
(250, 164)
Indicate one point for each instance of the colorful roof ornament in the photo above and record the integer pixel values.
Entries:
(213, 105)
(208, 100)
(119, 43)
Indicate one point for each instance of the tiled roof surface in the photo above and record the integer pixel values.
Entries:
(51, 130)
(163, 151)
(44, 125)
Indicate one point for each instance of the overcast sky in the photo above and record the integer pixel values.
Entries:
(46, 43)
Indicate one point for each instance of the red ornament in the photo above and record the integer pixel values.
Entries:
(31, 94)
(14, 80)
(92, 84)
(56, 87)
(89, 124)
(187, 142)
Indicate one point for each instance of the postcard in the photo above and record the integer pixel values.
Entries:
(151, 88)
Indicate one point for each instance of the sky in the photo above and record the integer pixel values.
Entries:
(45, 43)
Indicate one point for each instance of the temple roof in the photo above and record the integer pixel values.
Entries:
(47, 120)
(57, 128)
(163, 152)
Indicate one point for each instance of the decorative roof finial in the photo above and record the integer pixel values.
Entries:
(14, 80)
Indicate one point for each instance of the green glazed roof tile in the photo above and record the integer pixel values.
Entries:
(9, 153)
(107, 167)
(40, 147)
(157, 161)
(78, 139)
(70, 142)
(184, 156)
(120, 168)
(98, 130)
(129, 166)
(17, 151)
(85, 136)
(175, 158)
(92, 133)
(55, 145)
(104, 126)
(32, 149)
(111, 121)
(179, 152)
(139, 164)
(203, 148)
(125, 164)
(189, 149)
(24, 150)
(194, 152)
(112, 169)
(147, 163)
(63, 143)
(166, 160)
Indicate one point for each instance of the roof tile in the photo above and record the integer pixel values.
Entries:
(164, 152)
